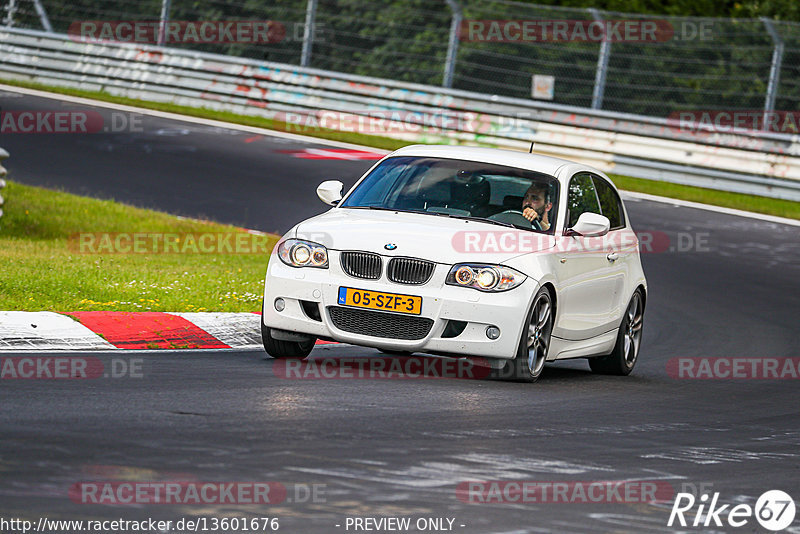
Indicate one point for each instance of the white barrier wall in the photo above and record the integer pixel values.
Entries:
(647, 147)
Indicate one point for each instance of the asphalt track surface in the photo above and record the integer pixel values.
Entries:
(387, 448)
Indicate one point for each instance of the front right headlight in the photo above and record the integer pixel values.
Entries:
(484, 277)
(300, 253)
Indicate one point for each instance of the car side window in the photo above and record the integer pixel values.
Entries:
(582, 197)
(610, 203)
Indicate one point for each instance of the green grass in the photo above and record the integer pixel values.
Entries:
(43, 268)
(782, 208)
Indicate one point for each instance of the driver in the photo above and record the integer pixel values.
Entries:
(536, 204)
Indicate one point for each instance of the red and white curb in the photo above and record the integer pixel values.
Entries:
(87, 331)
(46, 330)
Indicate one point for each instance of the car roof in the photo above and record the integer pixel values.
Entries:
(523, 160)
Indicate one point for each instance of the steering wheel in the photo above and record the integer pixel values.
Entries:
(516, 218)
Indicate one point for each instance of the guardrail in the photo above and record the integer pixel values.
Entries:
(759, 163)
(3, 156)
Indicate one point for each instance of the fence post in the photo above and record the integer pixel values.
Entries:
(3, 155)
(43, 16)
(452, 45)
(308, 33)
(602, 65)
(774, 71)
(11, 9)
(162, 25)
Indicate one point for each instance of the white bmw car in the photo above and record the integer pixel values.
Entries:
(464, 252)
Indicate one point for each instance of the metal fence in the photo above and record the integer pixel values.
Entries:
(304, 99)
(695, 64)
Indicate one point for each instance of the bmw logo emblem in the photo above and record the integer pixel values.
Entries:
(390, 246)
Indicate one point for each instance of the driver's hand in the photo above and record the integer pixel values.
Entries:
(530, 214)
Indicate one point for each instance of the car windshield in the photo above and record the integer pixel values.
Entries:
(461, 189)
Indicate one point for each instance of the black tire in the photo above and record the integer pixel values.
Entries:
(534, 343)
(629, 340)
(284, 349)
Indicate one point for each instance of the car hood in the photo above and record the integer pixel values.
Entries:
(435, 238)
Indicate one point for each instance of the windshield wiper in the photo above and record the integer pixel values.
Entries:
(381, 208)
(398, 210)
(490, 221)
(426, 212)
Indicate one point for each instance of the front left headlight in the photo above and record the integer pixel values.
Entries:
(484, 277)
(300, 253)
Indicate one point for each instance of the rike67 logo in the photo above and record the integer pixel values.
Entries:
(774, 510)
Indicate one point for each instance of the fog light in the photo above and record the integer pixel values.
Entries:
(280, 304)
(492, 332)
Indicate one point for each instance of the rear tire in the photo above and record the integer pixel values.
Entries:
(280, 349)
(629, 340)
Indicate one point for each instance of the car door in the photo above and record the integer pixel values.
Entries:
(588, 278)
(620, 245)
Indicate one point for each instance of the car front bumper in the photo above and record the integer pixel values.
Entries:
(441, 304)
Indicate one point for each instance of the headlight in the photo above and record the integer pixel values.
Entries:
(464, 275)
(484, 277)
(487, 278)
(299, 253)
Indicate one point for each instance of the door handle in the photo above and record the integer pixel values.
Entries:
(612, 257)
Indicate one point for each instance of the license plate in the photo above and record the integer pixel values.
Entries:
(376, 300)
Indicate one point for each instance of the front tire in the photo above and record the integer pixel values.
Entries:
(534, 344)
(629, 339)
(284, 349)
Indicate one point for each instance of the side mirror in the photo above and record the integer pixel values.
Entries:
(330, 192)
(590, 225)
